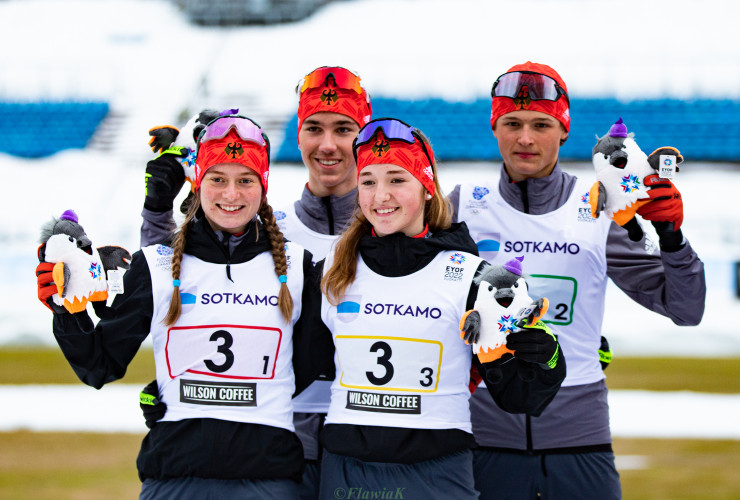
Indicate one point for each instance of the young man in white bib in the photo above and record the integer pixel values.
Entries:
(538, 210)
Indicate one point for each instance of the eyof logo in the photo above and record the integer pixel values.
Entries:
(630, 183)
(457, 258)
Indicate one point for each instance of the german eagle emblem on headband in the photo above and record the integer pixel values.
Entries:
(234, 149)
(381, 146)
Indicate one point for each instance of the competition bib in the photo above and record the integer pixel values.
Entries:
(389, 363)
(226, 351)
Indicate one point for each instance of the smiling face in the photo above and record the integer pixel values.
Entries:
(230, 195)
(529, 142)
(391, 199)
(325, 140)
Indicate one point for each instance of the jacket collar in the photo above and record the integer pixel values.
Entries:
(400, 255)
(537, 196)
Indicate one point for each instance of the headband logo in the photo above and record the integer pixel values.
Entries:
(234, 149)
(329, 97)
(523, 100)
(381, 146)
(429, 172)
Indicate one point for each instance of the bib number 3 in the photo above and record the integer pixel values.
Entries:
(391, 364)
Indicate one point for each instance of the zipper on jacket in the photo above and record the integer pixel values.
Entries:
(525, 196)
(326, 200)
(227, 253)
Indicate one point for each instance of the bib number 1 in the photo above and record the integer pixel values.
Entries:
(225, 351)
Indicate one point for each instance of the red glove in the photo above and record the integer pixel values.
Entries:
(666, 204)
(46, 285)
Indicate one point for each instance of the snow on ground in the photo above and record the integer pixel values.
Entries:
(634, 414)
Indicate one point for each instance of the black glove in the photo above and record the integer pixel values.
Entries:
(535, 344)
(204, 118)
(162, 137)
(605, 353)
(163, 180)
(151, 406)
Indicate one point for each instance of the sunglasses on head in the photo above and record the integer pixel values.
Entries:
(540, 87)
(244, 127)
(330, 75)
(394, 130)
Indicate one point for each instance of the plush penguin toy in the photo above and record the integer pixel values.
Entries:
(80, 269)
(502, 305)
(620, 168)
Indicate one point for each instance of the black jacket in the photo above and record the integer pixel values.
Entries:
(207, 448)
(398, 255)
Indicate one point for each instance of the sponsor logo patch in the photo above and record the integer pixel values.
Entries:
(199, 392)
(584, 212)
(409, 404)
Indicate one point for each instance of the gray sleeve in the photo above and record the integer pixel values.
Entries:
(156, 226)
(454, 199)
(668, 283)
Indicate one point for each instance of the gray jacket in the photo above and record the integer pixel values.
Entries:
(670, 283)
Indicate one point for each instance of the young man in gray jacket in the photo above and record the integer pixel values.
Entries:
(542, 213)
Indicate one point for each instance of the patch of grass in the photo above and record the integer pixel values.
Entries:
(64, 466)
(714, 375)
(48, 366)
(85, 466)
(681, 469)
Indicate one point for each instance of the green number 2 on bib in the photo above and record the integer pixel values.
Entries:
(561, 291)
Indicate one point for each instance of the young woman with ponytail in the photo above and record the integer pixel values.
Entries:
(395, 287)
(233, 313)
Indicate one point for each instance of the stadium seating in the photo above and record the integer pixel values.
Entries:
(39, 129)
(706, 129)
(244, 12)
(703, 130)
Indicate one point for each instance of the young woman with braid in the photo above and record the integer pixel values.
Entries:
(230, 307)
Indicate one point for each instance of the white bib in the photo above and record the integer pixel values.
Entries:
(399, 357)
(564, 260)
(230, 354)
(315, 398)
(294, 230)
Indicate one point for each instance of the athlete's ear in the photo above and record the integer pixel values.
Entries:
(564, 135)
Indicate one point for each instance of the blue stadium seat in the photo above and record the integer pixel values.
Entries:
(701, 129)
(39, 129)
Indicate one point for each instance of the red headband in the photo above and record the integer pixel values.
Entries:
(335, 100)
(409, 156)
(232, 149)
(558, 109)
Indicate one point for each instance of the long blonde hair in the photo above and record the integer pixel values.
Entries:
(277, 248)
(342, 273)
